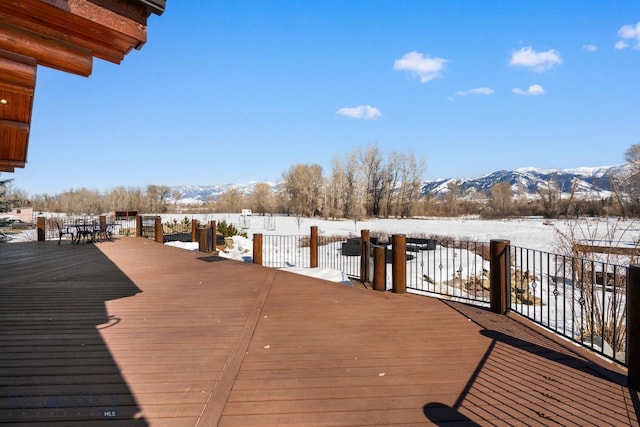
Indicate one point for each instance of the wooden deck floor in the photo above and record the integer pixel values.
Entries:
(136, 333)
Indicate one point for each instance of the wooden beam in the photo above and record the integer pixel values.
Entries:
(109, 28)
(17, 69)
(48, 52)
(122, 17)
(21, 127)
(12, 164)
(18, 89)
(101, 48)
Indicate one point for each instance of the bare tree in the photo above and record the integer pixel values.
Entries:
(550, 196)
(601, 317)
(261, 198)
(176, 195)
(391, 182)
(501, 200)
(353, 191)
(372, 168)
(572, 204)
(157, 196)
(124, 199)
(411, 170)
(231, 200)
(617, 186)
(632, 156)
(453, 197)
(336, 195)
(304, 186)
(630, 181)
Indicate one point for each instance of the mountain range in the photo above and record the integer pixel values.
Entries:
(590, 182)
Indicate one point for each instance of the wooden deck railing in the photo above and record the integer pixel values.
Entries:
(149, 226)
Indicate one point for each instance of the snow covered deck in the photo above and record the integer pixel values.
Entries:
(148, 334)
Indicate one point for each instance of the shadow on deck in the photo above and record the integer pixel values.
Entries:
(54, 363)
(144, 334)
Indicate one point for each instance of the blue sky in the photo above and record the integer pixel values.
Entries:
(239, 91)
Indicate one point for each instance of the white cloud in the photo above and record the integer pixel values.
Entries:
(533, 90)
(536, 61)
(621, 45)
(360, 112)
(590, 47)
(630, 33)
(476, 91)
(426, 68)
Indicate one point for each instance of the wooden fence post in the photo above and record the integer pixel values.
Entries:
(499, 275)
(633, 327)
(203, 241)
(214, 232)
(313, 247)
(365, 255)
(399, 263)
(380, 268)
(40, 224)
(257, 249)
(138, 225)
(194, 230)
(159, 235)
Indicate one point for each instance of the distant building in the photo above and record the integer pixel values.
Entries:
(23, 214)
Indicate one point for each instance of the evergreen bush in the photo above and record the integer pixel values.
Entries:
(228, 230)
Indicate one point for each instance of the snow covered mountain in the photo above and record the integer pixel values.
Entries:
(194, 194)
(591, 182)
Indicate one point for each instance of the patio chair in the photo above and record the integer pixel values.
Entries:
(104, 232)
(62, 231)
(86, 232)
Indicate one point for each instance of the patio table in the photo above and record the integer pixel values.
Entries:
(84, 230)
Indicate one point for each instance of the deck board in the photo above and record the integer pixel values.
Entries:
(142, 334)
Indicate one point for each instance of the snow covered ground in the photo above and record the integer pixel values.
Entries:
(533, 233)
(536, 233)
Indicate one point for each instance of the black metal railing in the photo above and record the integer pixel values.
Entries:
(457, 270)
(581, 299)
(148, 227)
(68, 223)
(177, 231)
(343, 254)
(279, 251)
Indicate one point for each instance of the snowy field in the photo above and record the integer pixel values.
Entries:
(531, 233)
(534, 233)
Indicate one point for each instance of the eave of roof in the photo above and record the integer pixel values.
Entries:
(156, 6)
(64, 35)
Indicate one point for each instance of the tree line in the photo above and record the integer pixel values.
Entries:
(364, 182)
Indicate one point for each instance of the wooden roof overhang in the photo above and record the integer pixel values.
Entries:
(65, 35)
